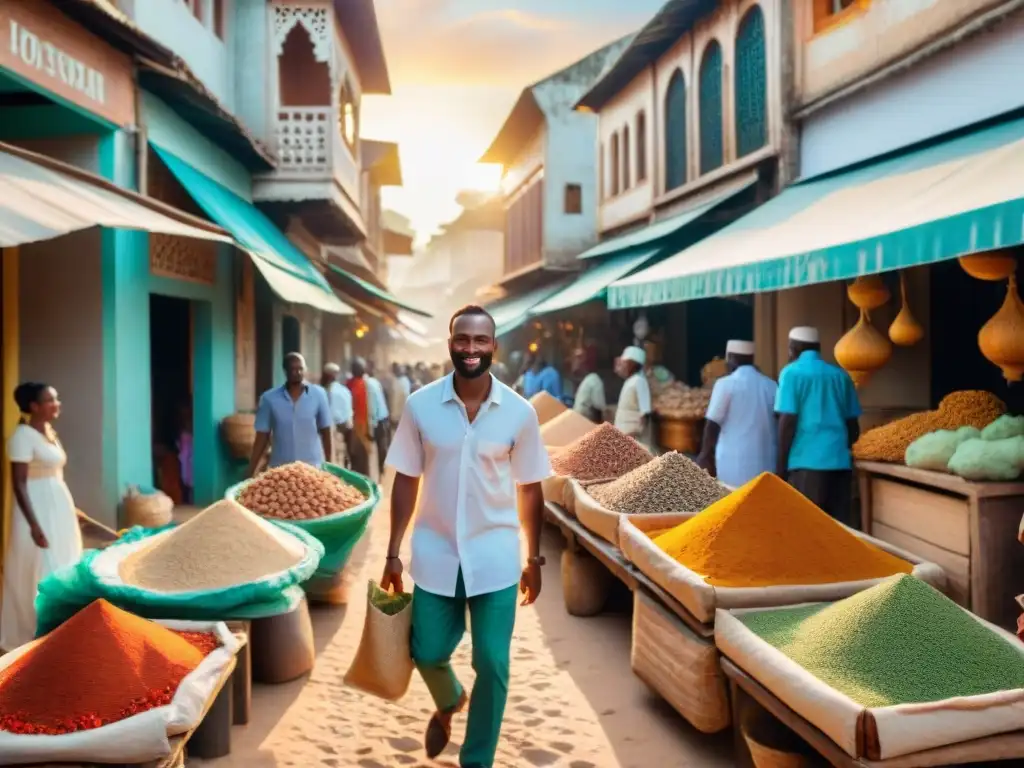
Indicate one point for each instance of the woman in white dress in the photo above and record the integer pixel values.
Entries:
(45, 534)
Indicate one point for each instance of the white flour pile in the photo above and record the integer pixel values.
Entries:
(222, 546)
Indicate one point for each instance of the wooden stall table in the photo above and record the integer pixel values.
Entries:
(579, 539)
(1007, 749)
(211, 738)
(969, 529)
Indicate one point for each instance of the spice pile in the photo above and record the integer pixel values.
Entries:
(601, 454)
(670, 483)
(299, 491)
(547, 407)
(889, 442)
(768, 534)
(223, 546)
(100, 666)
(679, 401)
(565, 428)
(205, 642)
(900, 642)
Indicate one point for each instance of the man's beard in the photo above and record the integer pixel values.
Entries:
(467, 372)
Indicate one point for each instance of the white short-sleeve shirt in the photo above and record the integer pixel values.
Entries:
(467, 514)
(743, 406)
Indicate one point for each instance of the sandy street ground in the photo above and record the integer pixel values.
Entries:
(573, 703)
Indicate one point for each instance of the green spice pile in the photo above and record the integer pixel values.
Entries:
(900, 642)
(670, 483)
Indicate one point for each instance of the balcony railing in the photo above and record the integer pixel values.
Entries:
(305, 136)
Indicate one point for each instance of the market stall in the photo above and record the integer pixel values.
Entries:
(896, 675)
(664, 523)
(945, 485)
(968, 528)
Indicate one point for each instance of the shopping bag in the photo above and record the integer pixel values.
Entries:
(383, 664)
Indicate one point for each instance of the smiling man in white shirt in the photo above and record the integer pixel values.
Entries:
(467, 444)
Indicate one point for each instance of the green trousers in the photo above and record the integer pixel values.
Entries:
(438, 625)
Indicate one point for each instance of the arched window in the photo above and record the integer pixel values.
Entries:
(751, 84)
(675, 132)
(613, 162)
(641, 147)
(710, 100)
(625, 159)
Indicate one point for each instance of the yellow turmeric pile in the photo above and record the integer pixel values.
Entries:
(889, 442)
(767, 534)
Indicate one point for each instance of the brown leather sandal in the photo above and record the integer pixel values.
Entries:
(439, 729)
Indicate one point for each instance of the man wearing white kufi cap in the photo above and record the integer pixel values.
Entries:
(818, 411)
(633, 413)
(340, 401)
(740, 433)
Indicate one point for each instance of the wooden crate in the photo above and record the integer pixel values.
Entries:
(969, 529)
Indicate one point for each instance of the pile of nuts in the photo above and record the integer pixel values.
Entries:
(679, 401)
(889, 442)
(299, 491)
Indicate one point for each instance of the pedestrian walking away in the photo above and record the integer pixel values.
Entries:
(633, 413)
(294, 420)
(362, 418)
(463, 445)
(740, 431)
(339, 399)
(380, 419)
(818, 411)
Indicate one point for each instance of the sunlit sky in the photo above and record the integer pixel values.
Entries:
(457, 67)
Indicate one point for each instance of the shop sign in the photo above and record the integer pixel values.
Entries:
(47, 48)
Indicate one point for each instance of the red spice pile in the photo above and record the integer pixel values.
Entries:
(206, 642)
(100, 666)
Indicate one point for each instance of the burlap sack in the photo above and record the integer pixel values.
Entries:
(383, 664)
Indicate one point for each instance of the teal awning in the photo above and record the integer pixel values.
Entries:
(660, 230)
(511, 312)
(288, 272)
(375, 291)
(935, 202)
(593, 283)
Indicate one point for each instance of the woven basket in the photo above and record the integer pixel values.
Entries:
(773, 745)
(150, 510)
(239, 433)
(585, 584)
(683, 668)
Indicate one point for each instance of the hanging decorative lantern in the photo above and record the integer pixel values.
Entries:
(862, 350)
(991, 265)
(905, 331)
(1001, 339)
(868, 292)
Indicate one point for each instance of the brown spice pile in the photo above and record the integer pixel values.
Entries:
(565, 428)
(670, 483)
(547, 407)
(222, 546)
(601, 454)
(299, 491)
(889, 442)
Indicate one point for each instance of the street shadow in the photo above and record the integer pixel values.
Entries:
(595, 652)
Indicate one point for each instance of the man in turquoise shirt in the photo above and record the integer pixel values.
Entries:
(818, 411)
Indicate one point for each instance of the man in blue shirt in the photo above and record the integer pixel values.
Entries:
(818, 411)
(298, 416)
(541, 376)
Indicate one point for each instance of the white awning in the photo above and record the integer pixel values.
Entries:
(42, 198)
(295, 290)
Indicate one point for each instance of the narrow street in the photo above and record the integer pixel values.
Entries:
(573, 701)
